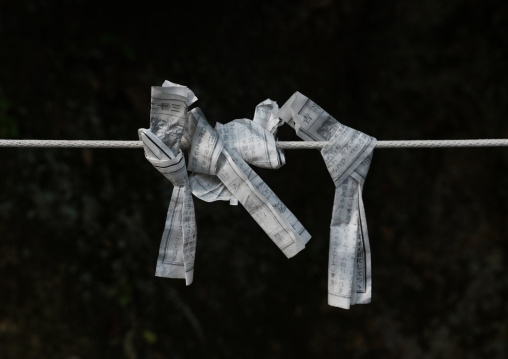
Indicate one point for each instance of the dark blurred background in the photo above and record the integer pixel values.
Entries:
(80, 228)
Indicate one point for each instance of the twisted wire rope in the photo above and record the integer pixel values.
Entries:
(289, 145)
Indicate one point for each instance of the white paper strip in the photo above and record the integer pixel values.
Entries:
(347, 156)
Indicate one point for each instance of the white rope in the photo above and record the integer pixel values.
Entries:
(282, 145)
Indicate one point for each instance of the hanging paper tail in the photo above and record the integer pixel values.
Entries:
(178, 243)
(349, 277)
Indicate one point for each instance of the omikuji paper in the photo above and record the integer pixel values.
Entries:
(347, 157)
(211, 155)
(220, 158)
(168, 117)
(219, 173)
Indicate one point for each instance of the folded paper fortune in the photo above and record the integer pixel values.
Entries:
(347, 156)
(219, 159)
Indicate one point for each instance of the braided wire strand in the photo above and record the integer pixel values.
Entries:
(288, 145)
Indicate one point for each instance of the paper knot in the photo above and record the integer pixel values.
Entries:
(168, 118)
(218, 159)
(219, 173)
(347, 156)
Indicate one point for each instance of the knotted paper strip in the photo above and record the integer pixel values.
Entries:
(219, 173)
(347, 156)
(168, 118)
(211, 155)
(253, 140)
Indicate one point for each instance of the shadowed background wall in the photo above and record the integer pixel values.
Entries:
(80, 229)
